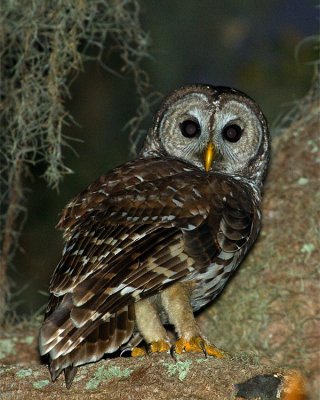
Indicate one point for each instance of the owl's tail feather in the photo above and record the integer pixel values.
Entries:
(106, 337)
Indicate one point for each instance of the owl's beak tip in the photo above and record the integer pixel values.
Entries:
(208, 156)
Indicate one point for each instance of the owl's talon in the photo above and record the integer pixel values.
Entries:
(138, 352)
(173, 352)
(203, 347)
(197, 345)
(160, 346)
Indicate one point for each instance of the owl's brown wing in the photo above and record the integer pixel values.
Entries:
(124, 178)
(109, 221)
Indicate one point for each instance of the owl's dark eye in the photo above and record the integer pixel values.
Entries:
(190, 128)
(232, 133)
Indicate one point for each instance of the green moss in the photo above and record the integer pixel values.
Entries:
(303, 181)
(180, 368)
(201, 360)
(313, 145)
(307, 248)
(22, 373)
(103, 374)
(40, 384)
(28, 340)
(7, 346)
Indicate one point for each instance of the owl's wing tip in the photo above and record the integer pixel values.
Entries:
(69, 374)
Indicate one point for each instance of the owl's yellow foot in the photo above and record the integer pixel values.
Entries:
(197, 345)
(138, 352)
(160, 346)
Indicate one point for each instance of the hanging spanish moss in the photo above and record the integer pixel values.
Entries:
(43, 45)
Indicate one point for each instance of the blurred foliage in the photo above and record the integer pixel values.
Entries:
(251, 45)
(43, 46)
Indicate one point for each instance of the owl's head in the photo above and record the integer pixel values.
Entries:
(216, 128)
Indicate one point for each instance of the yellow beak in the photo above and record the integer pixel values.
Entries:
(208, 156)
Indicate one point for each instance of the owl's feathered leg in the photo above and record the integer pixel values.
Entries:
(176, 301)
(151, 328)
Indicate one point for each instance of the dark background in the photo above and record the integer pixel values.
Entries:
(260, 47)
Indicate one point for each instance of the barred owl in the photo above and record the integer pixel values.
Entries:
(157, 238)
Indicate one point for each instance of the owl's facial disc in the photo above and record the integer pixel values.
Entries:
(184, 129)
(237, 133)
(217, 129)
